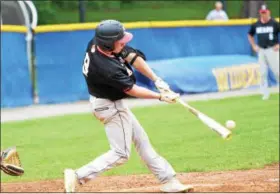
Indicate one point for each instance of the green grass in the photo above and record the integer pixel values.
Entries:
(47, 146)
(155, 11)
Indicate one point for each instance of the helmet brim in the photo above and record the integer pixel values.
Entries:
(126, 38)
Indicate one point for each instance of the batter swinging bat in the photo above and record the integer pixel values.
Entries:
(211, 123)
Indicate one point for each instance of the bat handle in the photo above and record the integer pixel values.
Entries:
(185, 104)
(191, 109)
(182, 102)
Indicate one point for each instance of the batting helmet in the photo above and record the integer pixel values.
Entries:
(110, 31)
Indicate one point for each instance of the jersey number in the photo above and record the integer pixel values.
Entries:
(270, 36)
(86, 65)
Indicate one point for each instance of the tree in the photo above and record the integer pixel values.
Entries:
(250, 8)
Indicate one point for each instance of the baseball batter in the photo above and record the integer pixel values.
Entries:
(266, 29)
(110, 79)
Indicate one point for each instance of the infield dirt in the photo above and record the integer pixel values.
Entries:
(255, 180)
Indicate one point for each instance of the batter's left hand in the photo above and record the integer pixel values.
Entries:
(162, 86)
(276, 47)
(169, 97)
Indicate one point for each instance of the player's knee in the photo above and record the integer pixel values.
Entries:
(123, 158)
(121, 161)
(125, 154)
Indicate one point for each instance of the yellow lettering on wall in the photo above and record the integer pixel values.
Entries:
(237, 77)
(257, 75)
(221, 79)
(253, 76)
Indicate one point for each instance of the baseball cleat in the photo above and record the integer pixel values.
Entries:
(265, 97)
(174, 186)
(70, 180)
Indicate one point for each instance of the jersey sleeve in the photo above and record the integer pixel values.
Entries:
(225, 16)
(127, 50)
(277, 26)
(120, 81)
(209, 16)
(90, 43)
(252, 30)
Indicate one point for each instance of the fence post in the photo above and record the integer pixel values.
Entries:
(82, 11)
(224, 5)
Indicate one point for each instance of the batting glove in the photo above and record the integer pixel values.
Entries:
(162, 86)
(169, 97)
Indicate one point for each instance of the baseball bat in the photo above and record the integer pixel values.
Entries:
(211, 123)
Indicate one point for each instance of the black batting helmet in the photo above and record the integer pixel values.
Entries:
(110, 31)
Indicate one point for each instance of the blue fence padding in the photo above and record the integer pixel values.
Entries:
(194, 74)
(59, 55)
(15, 77)
(169, 43)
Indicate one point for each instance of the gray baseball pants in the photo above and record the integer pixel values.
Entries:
(122, 128)
(268, 57)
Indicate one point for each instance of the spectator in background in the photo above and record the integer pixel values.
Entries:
(218, 13)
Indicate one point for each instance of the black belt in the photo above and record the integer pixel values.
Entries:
(265, 47)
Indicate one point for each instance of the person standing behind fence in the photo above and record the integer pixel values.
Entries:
(266, 29)
(218, 13)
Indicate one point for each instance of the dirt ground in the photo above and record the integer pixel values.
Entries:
(257, 180)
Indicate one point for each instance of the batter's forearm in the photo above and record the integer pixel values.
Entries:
(142, 66)
(140, 92)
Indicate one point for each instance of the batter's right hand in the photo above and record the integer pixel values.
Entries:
(169, 97)
(276, 47)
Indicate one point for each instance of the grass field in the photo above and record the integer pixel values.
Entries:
(47, 146)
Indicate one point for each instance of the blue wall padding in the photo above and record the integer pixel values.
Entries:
(195, 74)
(15, 77)
(60, 57)
(168, 43)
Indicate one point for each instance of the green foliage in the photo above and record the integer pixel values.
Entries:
(103, 5)
(49, 145)
(46, 12)
(68, 5)
(55, 12)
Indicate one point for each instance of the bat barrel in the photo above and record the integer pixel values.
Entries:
(227, 136)
(211, 123)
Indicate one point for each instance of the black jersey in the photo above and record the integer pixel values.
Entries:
(267, 33)
(107, 77)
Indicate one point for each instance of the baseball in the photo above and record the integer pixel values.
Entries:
(230, 124)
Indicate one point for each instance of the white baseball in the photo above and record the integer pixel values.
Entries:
(230, 124)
